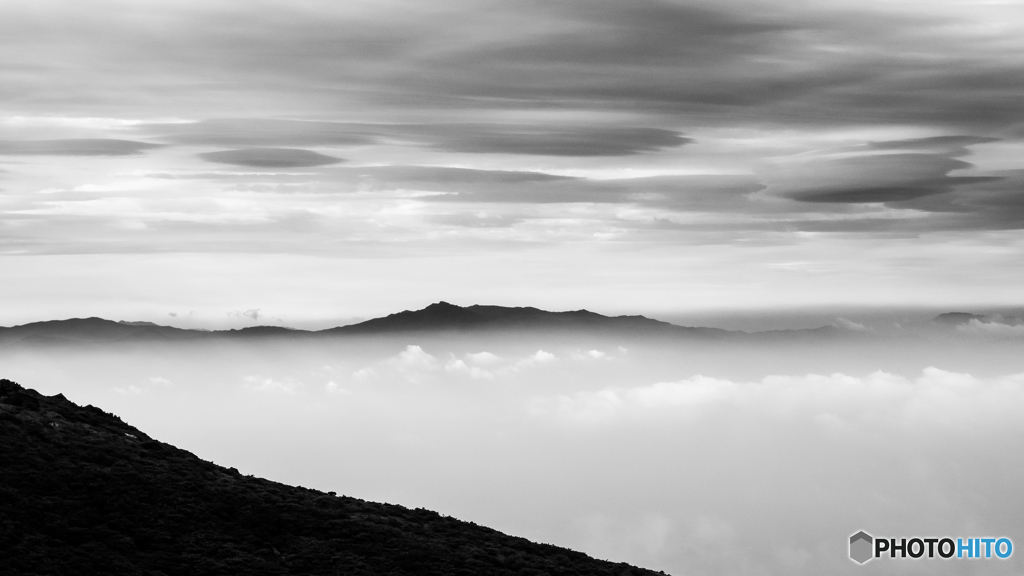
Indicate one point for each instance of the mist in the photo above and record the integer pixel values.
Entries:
(758, 455)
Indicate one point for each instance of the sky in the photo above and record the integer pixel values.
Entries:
(227, 163)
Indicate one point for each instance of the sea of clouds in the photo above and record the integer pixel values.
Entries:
(635, 452)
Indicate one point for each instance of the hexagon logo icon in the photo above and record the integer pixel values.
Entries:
(860, 547)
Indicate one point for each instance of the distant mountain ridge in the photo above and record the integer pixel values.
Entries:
(92, 330)
(967, 318)
(957, 318)
(443, 317)
(82, 492)
(438, 317)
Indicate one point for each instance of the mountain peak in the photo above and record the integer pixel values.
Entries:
(444, 316)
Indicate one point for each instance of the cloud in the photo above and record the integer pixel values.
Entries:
(607, 33)
(415, 358)
(882, 178)
(654, 54)
(923, 176)
(252, 313)
(561, 139)
(270, 385)
(333, 387)
(541, 141)
(768, 125)
(590, 355)
(75, 147)
(995, 204)
(839, 64)
(936, 398)
(847, 324)
(478, 219)
(260, 132)
(459, 184)
(483, 358)
(701, 192)
(364, 374)
(270, 158)
(460, 178)
(458, 366)
(538, 357)
(952, 145)
(992, 328)
(484, 365)
(413, 364)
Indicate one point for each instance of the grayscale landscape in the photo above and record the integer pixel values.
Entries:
(700, 287)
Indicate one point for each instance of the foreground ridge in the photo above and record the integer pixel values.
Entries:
(82, 492)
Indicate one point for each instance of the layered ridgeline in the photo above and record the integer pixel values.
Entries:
(82, 492)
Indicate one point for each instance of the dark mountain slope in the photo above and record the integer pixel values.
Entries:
(81, 492)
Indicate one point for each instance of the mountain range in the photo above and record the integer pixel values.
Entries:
(82, 492)
(438, 317)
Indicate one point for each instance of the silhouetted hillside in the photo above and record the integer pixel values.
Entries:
(82, 492)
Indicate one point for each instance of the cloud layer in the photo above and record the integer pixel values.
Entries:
(74, 147)
(627, 454)
(270, 158)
